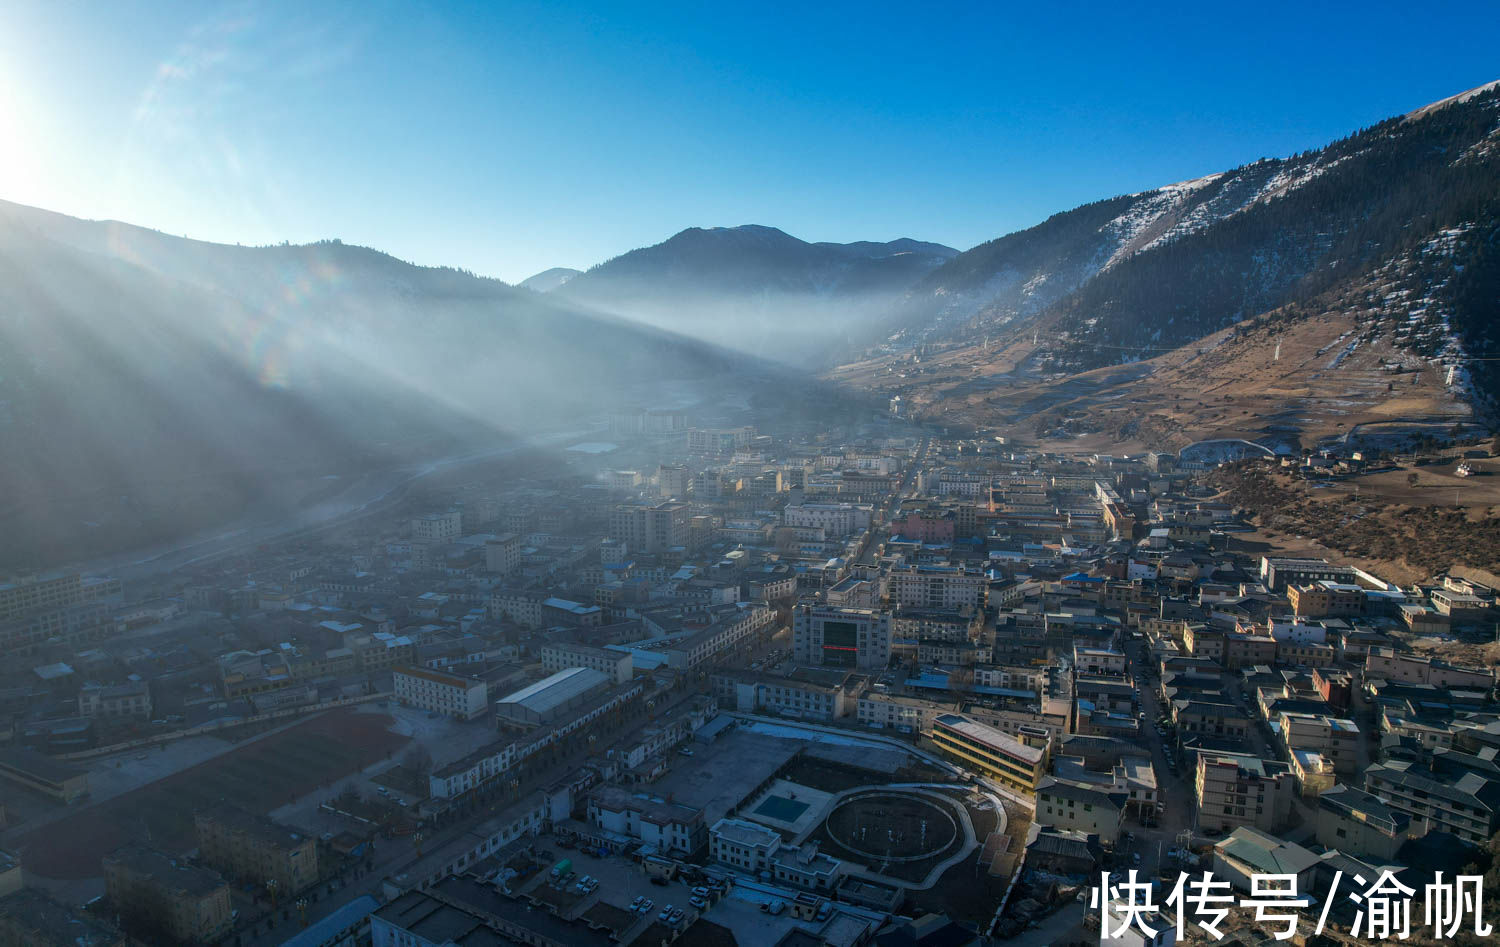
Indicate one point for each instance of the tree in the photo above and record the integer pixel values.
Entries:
(418, 759)
(1412, 478)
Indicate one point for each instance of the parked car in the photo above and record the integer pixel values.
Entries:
(636, 904)
(646, 906)
(666, 914)
(701, 892)
(697, 902)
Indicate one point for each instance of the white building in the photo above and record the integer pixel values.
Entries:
(938, 587)
(437, 527)
(448, 694)
(619, 666)
(835, 519)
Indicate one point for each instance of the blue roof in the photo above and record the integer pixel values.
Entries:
(342, 919)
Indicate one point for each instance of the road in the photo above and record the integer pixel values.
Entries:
(882, 516)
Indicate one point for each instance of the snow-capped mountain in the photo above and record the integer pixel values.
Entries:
(1401, 219)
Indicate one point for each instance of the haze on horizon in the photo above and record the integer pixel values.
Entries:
(509, 139)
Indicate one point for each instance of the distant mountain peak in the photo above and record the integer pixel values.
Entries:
(1462, 97)
(549, 279)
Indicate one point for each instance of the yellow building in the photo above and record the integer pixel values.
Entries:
(991, 752)
(157, 894)
(256, 849)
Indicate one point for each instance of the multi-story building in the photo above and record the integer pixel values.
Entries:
(668, 826)
(1326, 599)
(754, 848)
(1278, 574)
(1079, 807)
(1390, 665)
(841, 637)
(991, 752)
(835, 519)
(920, 624)
(1235, 789)
(672, 481)
(159, 895)
(743, 844)
(619, 666)
(116, 701)
(502, 555)
(650, 528)
(452, 695)
(945, 588)
(255, 849)
(53, 592)
(1451, 792)
(907, 714)
(1334, 738)
(807, 694)
(1358, 823)
(437, 527)
(1209, 718)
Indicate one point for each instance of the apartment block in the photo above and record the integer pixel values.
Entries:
(618, 666)
(946, 588)
(157, 894)
(255, 849)
(451, 695)
(1235, 789)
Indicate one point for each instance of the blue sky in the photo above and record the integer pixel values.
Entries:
(509, 137)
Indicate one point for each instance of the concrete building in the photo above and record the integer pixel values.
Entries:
(255, 849)
(1334, 738)
(117, 701)
(835, 519)
(668, 826)
(995, 754)
(1079, 807)
(906, 714)
(156, 894)
(745, 845)
(652, 528)
(618, 666)
(502, 555)
(754, 848)
(1235, 789)
(437, 527)
(462, 698)
(1358, 823)
(944, 588)
(841, 637)
(1390, 665)
(1451, 792)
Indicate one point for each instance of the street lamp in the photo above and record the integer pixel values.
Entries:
(271, 886)
(302, 910)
